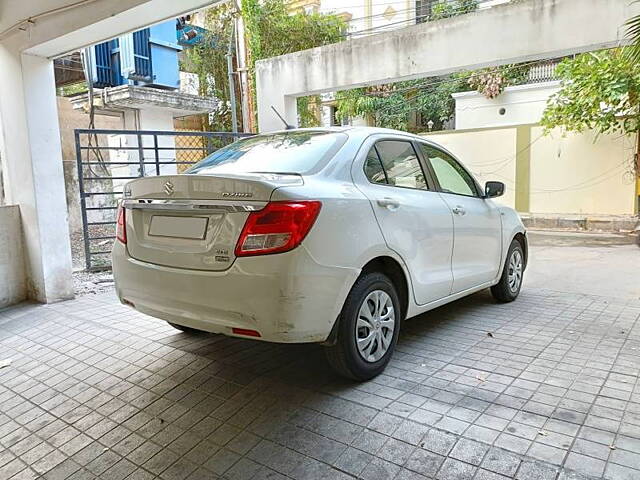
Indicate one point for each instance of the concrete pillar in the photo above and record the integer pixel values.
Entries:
(523, 168)
(34, 179)
(271, 95)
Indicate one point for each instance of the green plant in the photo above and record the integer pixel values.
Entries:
(450, 8)
(599, 91)
(72, 89)
(208, 60)
(394, 105)
(633, 34)
(491, 82)
(270, 31)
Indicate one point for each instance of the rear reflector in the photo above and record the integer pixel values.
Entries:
(121, 228)
(246, 332)
(278, 227)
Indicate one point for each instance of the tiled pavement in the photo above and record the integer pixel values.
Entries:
(96, 390)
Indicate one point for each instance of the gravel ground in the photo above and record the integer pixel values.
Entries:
(85, 282)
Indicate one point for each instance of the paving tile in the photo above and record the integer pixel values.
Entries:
(452, 425)
(424, 462)
(380, 469)
(501, 461)
(513, 443)
(619, 472)
(438, 441)
(370, 441)
(409, 475)
(489, 475)
(243, 469)
(100, 391)
(410, 432)
(625, 458)
(396, 451)
(455, 470)
(469, 451)
(592, 449)
(536, 471)
(120, 470)
(584, 464)
(353, 461)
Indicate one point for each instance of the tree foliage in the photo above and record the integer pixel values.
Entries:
(492, 81)
(273, 31)
(599, 91)
(394, 105)
(449, 8)
(270, 31)
(208, 60)
(633, 34)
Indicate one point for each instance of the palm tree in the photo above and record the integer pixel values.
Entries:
(633, 34)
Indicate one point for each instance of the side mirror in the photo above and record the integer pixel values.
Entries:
(493, 189)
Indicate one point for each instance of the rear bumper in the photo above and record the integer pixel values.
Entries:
(287, 298)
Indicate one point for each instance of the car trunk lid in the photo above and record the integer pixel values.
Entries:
(194, 221)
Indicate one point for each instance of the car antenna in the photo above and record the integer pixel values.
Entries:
(286, 125)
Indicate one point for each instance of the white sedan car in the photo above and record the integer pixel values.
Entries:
(334, 236)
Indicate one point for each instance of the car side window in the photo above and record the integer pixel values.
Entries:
(449, 173)
(373, 168)
(400, 164)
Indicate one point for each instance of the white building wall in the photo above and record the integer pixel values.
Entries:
(490, 154)
(521, 105)
(32, 170)
(13, 281)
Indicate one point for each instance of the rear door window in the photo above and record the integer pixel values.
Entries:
(373, 168)
(287, 152)
(400, 165)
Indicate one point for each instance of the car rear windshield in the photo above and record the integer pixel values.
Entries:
(286, 152)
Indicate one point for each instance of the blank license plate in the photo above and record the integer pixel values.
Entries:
(178, 227)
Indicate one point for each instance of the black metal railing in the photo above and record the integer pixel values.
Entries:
(107, 159)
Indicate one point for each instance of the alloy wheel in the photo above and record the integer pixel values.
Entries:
(514, 277)
(375, 326)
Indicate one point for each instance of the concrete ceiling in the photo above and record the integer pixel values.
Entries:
(14, 11)
(58, 27)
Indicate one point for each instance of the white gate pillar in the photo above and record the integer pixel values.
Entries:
(33, 173)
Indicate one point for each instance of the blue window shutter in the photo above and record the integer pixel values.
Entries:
(102, 58)
(142, 54)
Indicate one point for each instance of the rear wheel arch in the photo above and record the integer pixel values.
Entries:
(390, 267)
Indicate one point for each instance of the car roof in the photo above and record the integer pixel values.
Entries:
(357, 131)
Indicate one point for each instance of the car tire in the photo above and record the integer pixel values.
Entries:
(189, 330)
(360, 321)
(508, 288)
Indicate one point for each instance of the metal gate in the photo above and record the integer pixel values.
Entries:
(107, 159)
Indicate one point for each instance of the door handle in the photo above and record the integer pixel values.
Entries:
(389, 203)
(459, 210)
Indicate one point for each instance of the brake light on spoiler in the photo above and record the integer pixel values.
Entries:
(277, 228)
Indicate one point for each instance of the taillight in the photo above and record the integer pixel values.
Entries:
(278, 227)
(121, 225)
